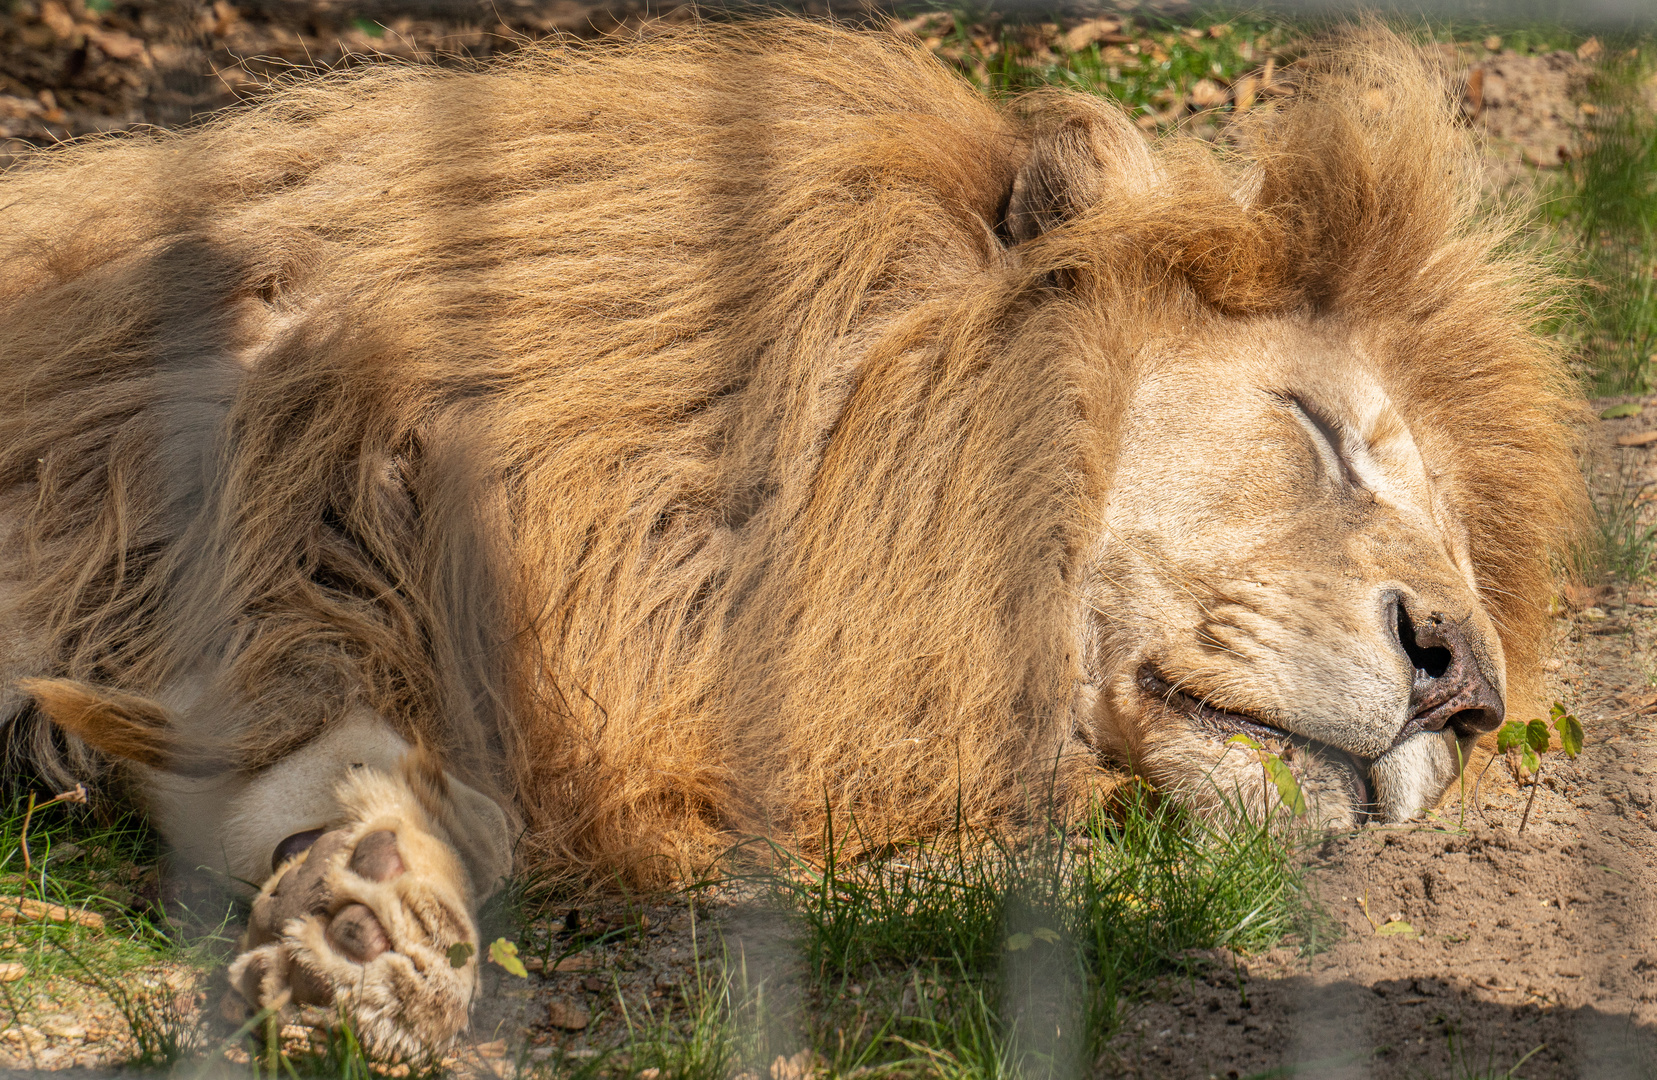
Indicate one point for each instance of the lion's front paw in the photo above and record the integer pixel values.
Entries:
(373, 918)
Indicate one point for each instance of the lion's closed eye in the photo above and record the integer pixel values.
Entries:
(1338, 450)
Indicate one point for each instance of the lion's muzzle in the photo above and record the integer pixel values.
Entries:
(1449, 689)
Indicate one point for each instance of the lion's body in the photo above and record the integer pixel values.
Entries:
(300, 381)
(693, 425)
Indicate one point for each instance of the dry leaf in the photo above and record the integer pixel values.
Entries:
(1589, 50)
(1641, 439)
(802, 1066)
(116, 45)
(1080, 37)
(569, 1017)
(57, 19)
(1587, 596)
(1206, 93)
(10, 972)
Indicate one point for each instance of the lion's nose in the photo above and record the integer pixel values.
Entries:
(1448, 688)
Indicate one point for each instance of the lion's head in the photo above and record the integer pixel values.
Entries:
(1284, 557)
(1338, 480)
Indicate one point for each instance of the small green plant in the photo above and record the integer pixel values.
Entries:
(1278, 774)
(1526, 743)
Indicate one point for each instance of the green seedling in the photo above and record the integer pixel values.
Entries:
(1531, 741)
(1278, 772)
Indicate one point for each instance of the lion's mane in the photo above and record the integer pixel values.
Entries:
(673, 421)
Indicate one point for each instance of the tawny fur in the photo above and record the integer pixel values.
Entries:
(673, 419)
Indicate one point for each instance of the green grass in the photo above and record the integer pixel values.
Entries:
(984, 956)
(1147, 74)
(1607, 207)
(107, 867)
(1623, 544)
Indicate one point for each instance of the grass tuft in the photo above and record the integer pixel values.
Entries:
(1609, 208)
(988, 956)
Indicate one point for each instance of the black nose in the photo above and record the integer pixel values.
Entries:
(1448, 689)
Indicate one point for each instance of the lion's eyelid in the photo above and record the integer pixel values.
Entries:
(1330, 441)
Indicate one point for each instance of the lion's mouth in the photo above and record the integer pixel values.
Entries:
(1224, 723)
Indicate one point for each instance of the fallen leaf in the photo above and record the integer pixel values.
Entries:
(569, 1017)
(1587, 596)
(1206, 93)
(57, 19)
(10, 972)
(1638, 702)
(1396, 926)
(1589, 49)
(1619, 412)
(459, 953)
(505, 954)
(1642, 438)
(116, 45)
(1081, 36)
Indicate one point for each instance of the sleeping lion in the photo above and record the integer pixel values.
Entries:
(580, 459)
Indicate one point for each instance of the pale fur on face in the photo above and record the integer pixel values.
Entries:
(1265, 582)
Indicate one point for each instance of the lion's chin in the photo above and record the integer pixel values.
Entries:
(1414, 775)
(1337, 782)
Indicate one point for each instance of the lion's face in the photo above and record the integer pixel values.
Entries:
(1281, 558)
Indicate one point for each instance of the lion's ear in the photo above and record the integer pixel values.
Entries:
(121, 725)
(1082, 150)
